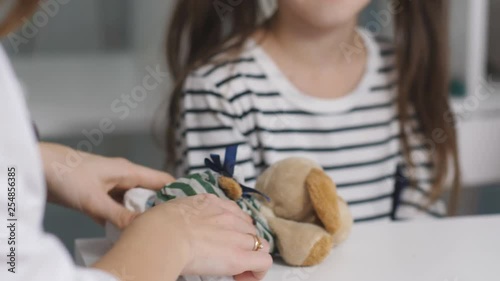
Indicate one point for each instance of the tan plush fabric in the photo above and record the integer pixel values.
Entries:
(324, 199)
(319, 251)
(305, 213)
(346, 223)
(296, 240)
(284, 183)
(231, 188)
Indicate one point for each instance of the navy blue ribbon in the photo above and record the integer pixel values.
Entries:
(227, 169)
(247, 192)
(401, 183)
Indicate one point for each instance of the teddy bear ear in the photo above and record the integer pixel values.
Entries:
(323, 194)
(231, 188)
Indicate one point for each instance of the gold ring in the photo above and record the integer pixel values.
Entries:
(257, 243)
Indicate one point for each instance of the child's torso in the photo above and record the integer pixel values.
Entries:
(354, 138)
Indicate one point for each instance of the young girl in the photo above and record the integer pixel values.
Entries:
(309, 82)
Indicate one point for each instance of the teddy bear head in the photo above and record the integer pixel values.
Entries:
(287, 182)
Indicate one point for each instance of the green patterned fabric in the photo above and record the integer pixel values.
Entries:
(206, 182)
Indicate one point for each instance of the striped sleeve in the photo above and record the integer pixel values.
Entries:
(415, 201)
(209, 123)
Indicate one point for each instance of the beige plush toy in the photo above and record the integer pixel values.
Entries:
(295, 205)
(305, 213)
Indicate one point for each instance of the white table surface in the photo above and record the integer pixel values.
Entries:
(459, 249)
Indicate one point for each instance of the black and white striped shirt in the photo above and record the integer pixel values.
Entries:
(248, 101)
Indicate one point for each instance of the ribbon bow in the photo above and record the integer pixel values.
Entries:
(227, 169)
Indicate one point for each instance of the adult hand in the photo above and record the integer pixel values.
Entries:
(198, 235)
(94, 184)
(221, 241)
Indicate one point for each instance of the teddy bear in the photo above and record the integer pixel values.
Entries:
(304, 212)
(294, 205)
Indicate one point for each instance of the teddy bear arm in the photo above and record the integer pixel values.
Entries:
(231, 188)
(346, 223)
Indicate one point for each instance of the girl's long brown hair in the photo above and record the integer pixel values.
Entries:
(21, 9)
(198, 31)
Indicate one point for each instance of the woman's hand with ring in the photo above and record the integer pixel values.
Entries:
(197, 235)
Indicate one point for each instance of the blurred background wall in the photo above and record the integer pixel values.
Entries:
(76, 60)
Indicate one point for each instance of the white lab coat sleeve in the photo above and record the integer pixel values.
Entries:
(38, 255)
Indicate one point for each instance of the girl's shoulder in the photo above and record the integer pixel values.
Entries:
(385, 45)
(228, 72)
(384, 52)
(226, 61)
